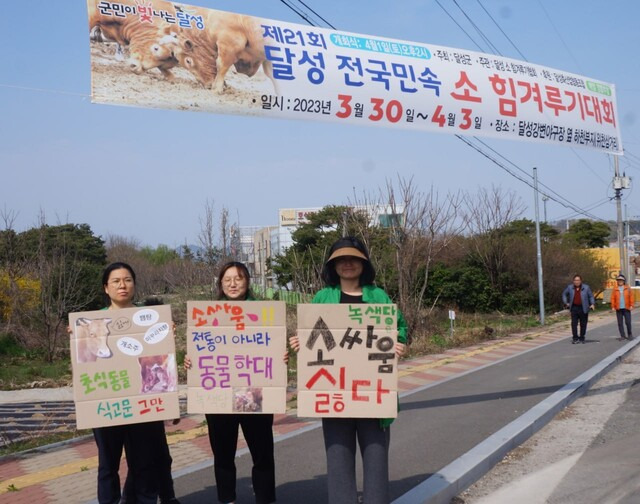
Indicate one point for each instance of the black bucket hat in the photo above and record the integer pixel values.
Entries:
(348, 246)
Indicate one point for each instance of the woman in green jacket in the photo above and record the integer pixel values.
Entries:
(349, 276)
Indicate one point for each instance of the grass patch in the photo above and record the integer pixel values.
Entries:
(27, 371)
(434, 335)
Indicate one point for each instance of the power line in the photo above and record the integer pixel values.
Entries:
(589, 167)
(561, 200)
(590, 207)
(521, 169)
(524, 57)
(500, 28)
(459, 26)
(627, 152)
(560, 36)
(299, 13)
(517, 49)
(480, 32)
(557, 198)
(43, 90)
(318, 15)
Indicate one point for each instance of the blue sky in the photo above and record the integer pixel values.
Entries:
(147, 173)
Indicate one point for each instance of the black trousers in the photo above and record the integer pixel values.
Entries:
(164, 480)
(258, 432)
(578, 315)
(624, 318)
(138, 443)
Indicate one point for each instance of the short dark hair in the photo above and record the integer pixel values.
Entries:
(329, 275)
(577, 276)
(116, 266)
(242, 270)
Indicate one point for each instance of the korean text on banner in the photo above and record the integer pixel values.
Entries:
(237, 350)
(347, 366)
(191, 58)
(124, 366)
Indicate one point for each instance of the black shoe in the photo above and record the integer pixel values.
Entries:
(171, 500)
(574, 341)
(583, 341)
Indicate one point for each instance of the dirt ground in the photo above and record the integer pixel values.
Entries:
(113, 82)
(569, 434)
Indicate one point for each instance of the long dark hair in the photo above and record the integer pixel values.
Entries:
(329, 275)
(116, 266)
(242, 270)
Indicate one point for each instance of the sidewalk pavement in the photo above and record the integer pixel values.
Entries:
(587, 454)
(67, 472)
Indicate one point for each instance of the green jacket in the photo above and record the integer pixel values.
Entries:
(372, 295)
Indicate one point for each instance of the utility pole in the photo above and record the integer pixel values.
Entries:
(538, 246)
(620, 183)
(626, 242)
(544, 205)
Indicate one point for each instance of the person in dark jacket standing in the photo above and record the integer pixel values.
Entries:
(578, 298)
(234, 285)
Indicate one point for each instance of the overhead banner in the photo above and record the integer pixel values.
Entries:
(124, 366)
(347, 365)
(237, 349)
(154, 53)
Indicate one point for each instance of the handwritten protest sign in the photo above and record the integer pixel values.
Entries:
(237, 349)
(190, 58)
(347, 365)
(124, 366)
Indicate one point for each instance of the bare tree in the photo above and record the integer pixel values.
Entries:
(207, 242)
(58, 272)
(224, 231)
(419, 226)
(425, 225)
(487, 212)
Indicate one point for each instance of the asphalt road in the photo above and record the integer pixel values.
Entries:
(435, 426)
(608, 472)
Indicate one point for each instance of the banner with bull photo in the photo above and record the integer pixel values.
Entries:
(155, 53)
(124, 366)
(347, 366)
(237, 349)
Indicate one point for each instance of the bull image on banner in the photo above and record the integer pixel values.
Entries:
(347, 366)
(155, 53)
(124, 366)
(237, 349)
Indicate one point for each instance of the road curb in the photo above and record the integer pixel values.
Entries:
(460, 474)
